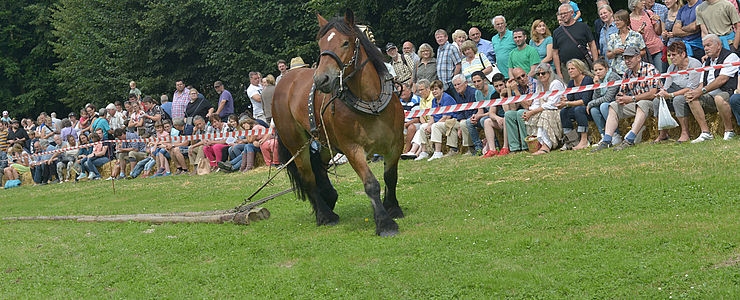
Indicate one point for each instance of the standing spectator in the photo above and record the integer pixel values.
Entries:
(197, 106)
(618, 42)
(164, 102)
(669, 22)
(542, 41)
(115, 118)
(634, 100)
(4, 134)
(648, 25)
(17, 135)
(225, 101)
(713, 93)
(410, 50)
(458, 37)
(599, 23)
(283, 68)
(658, 9)
(484, 46)
(503, 44)
(133, 90)
(690, 32)
(136, 121)
(67, 130)
(449, 58)
(426, 68)
(179, 100)
(720, 18)
(254, 92)
(473, 61)
(402, 64)
(608, 27)
(152, 113)
(98, 122)
(6, 117)
(268, 90)
(523, 56)
(43, 132)
(564, 48)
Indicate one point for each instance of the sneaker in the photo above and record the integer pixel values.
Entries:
(729, 135)
(601, 146)
(704, 136)
(157, 174)
(451, 153)
(225, 166)
(490, 153)
(91, 176)
(470, 152)
(436, 155)
(110, 178)
(422, 156)
(166, 174)
(82, 176)
(503, 152)
(121, 176)
(408, 155)
(616, 139)
(623, 145)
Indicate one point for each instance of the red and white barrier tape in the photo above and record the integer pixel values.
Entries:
(578, 89)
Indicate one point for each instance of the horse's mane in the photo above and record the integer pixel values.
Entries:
(373, 53)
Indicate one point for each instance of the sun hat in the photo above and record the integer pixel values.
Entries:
(297, 62)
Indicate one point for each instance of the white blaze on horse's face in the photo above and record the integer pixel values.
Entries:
(331, 36)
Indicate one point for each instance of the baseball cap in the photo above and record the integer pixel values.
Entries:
(390, 46)
(631, 51)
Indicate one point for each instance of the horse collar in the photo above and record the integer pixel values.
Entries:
(373, 107)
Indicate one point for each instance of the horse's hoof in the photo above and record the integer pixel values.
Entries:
(329, 221)
(388, 233)
(395, 212)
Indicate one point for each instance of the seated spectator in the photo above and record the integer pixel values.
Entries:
(268, 147)
(145, 166)
(418, 142)
(115, 117)
(410, 102)
(470, 126)
(495, 120)
(418, 152)
(179, 149)
(633, 100)
(97, 158)
(66, 159)
(195, 150)
(19, 163)
(543, 113)
(81, 156)
(161, 155)
(676, 87)
(598, 107)
(713, 93)
(213, 147)
(517, 129)
(251, 144)
(127, 152)
(573, 106)
(42, 165)
(447, 124)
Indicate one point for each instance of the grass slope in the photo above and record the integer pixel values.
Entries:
(654, 221)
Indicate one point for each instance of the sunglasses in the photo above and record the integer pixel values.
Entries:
(541, 73)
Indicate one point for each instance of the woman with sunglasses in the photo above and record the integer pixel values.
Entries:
(543, 113)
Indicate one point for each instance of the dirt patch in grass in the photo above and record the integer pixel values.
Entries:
(730, 262)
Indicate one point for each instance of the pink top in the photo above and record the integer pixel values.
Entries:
(652, 40)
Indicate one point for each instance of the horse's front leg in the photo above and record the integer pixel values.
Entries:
(390, 202)
(384, 224)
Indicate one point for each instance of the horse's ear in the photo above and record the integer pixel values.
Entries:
(349, 18)
(322, 21)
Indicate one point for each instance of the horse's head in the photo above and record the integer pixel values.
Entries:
(340, 49)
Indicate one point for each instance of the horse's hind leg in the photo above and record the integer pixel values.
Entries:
(384, 224)
(390, 202)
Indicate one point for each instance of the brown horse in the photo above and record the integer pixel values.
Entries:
(353, 111)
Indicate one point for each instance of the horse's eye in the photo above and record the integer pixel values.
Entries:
(346, 44)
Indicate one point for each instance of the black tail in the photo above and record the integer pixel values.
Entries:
(295, 177)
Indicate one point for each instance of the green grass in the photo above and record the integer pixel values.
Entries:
(654, 221)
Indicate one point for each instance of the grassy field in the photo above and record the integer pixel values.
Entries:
(654, 221)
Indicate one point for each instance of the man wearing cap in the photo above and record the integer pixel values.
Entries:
(225, 101)
(115, 118)
(402, 64)
(633, 100)
(6, 117)
(714, 91)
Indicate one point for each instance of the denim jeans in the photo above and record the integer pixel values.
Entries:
(141, 166)
(236, 151)
(472, 129)
(578, 113)
(92, 164)
(600, 114)
(735, 106)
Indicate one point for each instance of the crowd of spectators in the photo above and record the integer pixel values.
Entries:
(643, 39)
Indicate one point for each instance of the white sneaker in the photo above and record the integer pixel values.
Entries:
(704, 136)
(616, 139)
(408, 155)
(109, 178)
(436, 155)
(422, 156)
(729, 135)
(91, 176)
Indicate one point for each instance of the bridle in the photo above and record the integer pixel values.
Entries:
(343, 66)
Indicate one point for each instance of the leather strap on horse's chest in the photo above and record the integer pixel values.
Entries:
(311, 116)
(369, 107)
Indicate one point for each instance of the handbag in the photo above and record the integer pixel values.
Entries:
(494, 69)
(586, 54)
(665, 120)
